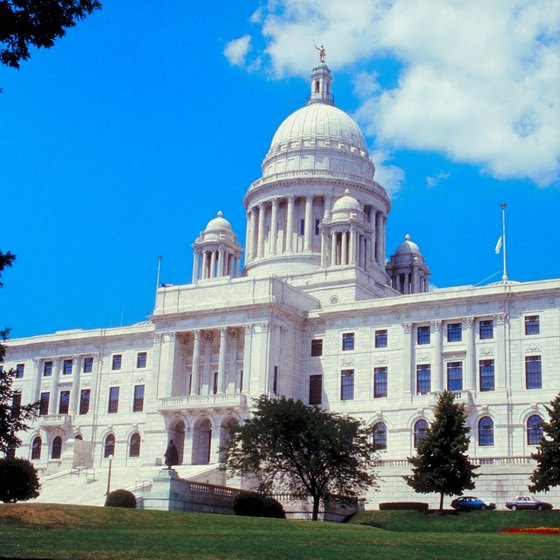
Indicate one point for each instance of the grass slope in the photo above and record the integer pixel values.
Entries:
(59, 531)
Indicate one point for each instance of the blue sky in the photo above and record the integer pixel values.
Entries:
(122, 141)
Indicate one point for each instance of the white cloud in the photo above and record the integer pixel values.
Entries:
(478, 82)
(236, 50)
(386, 174)
(442, 176)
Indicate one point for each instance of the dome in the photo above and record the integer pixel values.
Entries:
(218, 224)
(346, 203)
(407, 247)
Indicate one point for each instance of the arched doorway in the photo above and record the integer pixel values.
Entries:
(202, 438)
(177, 434)
(56, 449)
(225, 428)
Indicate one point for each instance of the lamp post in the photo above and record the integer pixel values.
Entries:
(109, 475)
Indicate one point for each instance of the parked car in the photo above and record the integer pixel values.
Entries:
(527, 502)
(466, 503)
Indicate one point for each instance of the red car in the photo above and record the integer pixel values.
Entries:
(527, 502)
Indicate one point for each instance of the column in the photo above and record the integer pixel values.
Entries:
(383, 239)
(344, 253)
(324, 243)
(308, 230)
(470, 356)
(195, 383)
(222, 361)
(327, 209)
(231, 381)
(75, 385)
(247, 234)
(353, 245)
(274, 227)
(333, 248)
(207, 373)
(195, 266)
(250, 241)
(212, 265)
(53, 405)
(407, 371)
(221, 263)
(204, 273)
(260, 233)
(169, 362)
(500, 366)
(37, 375)
(437, 384)
(290, 224)
(247, 353)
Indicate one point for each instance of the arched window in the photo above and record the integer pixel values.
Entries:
(420, 431)
(78, 436)
(380, 435)
(56, 450)
(534, 430)
(109, 446)
(36, 448)
(134, 447)
(486, 431)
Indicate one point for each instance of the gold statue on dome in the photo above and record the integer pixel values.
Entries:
(322, 53)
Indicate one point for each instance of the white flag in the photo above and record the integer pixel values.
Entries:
(499, 245)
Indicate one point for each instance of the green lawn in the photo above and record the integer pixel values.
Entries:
(58, 531)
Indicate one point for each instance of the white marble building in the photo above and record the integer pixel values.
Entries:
(316, 313)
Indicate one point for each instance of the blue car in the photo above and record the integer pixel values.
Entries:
(466, 503)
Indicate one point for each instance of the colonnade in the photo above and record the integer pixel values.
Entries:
(410, 282)
(209, 262)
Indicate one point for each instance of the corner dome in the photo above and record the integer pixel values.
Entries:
(218, 224)
(407, 247)
(346, 203)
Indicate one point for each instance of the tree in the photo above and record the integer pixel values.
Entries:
(13, 415)
(18, 480)
(37, 23)
(302, 450)
(547, 472)
(441, 464)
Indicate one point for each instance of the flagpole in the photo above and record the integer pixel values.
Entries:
(158, 273)
(505, 275)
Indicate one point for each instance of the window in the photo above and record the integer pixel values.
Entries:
(423, 379)
(16, 401)
(317, 224)
(64, 402)
(348, 341)
(215, 385)
(20, 369)
(36, 448)
(84, 401)
(44, 404)
(423, 335)
(486, 329)
(317, 347)
(485, 431)
(454, 376)
(113, 400)
(138, 405)
(486, 368)
(301, 227)
(275, 381)
(532, 324)
(47, 369)
(79, 436)
(380, 435)
(88, 364)
(381, 339)
(67, 367)
(454, 332)
(117, 361)
(346, 384)
(141, 359)
(379, 382)
(533, 372)
(109, 447)
(315, 389)
(56, 449)
(420, 429)
(534, 430)
(241, 381)
(134, 447)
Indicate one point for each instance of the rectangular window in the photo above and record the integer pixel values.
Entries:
(317, 347)
(533, 372)
(241, 381)
(117, 361)
(20, 369)
(67, 367)
(379, 382)
(275, 381)
(486, 368)
(486, 329)
(317, 224)
(381, 338)
(301, 227)
(348, 341)
(454, 332)
(47, 369)
(532, 324)
(215, 386)
(315, 389)
(347, 384)
(88, 364)
(44, 404)
(138, 405)
(16, 401)
(84, 401)
(141, 359)
(423, 335)
(113, 400)
(64, 402)
(423, 379)
(454, 376)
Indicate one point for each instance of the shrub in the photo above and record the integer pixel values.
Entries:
(18, 480)
(121, 498)
(253, 504)
(416, 506)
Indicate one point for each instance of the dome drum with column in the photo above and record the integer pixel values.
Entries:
(407, 270)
